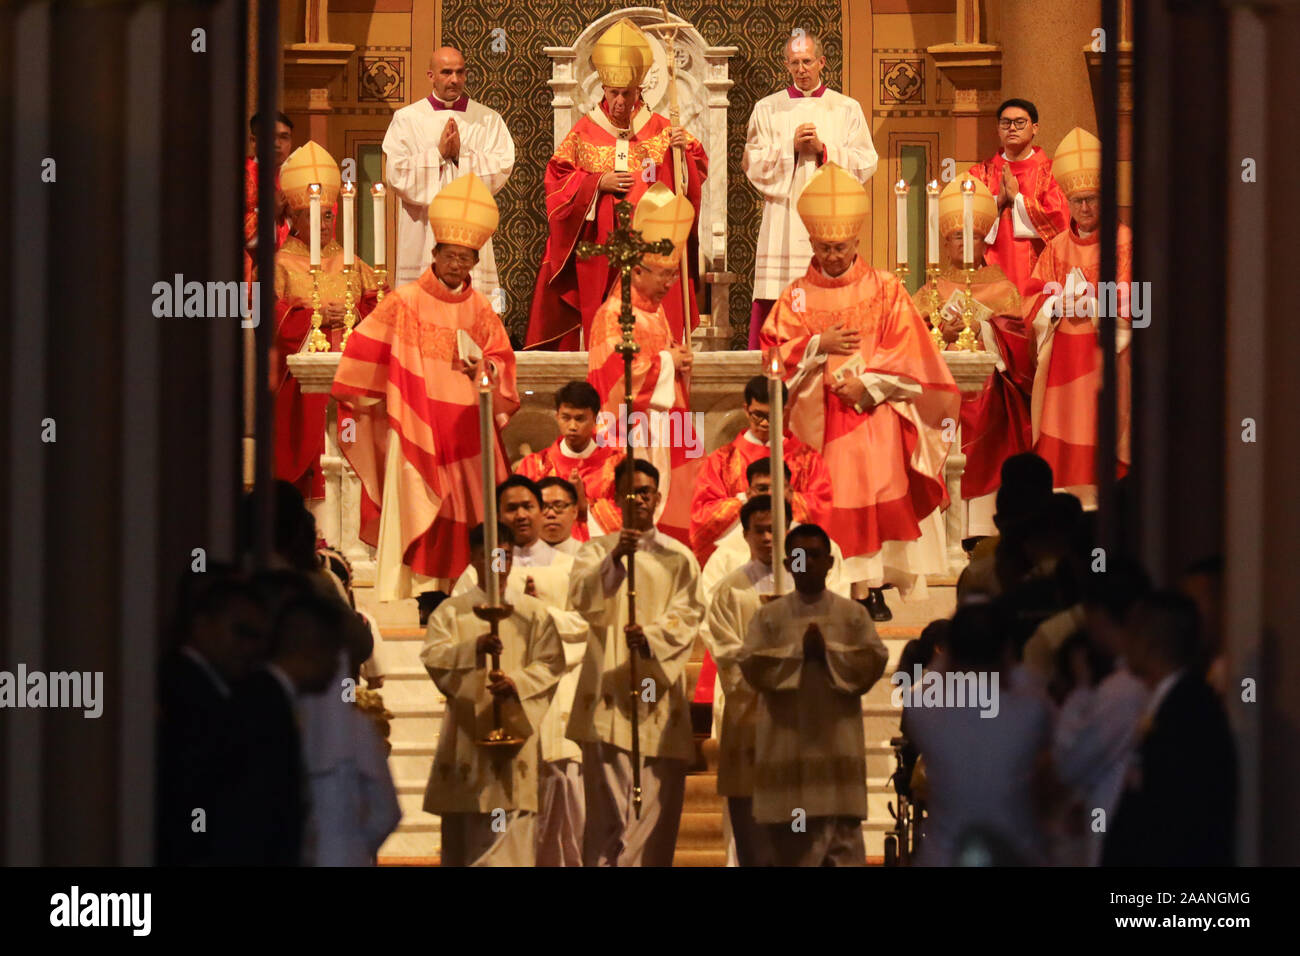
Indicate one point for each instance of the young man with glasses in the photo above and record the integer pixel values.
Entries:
(559, 514)
(1064, 313)
(721, 487)
(668, 612)
(1031, 207)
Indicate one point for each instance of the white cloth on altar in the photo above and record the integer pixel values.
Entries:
(780, 174)
(417, 171)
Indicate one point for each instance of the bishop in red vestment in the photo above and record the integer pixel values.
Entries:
(408, 377)
(299, 417)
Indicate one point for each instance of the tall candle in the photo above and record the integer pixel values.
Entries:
(377, 191)
(900, 192)
(349, 193)
(967, 223)
(932, 223)
(776, 452)
(488, 455)
(314, 190)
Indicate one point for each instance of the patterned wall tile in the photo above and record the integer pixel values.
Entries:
(381, 79)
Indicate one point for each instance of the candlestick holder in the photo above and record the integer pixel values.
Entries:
(316, 341)
(381, 282)
(349, 306)
(936, 333)
(902, 272)
(498, 736)
(966, 339)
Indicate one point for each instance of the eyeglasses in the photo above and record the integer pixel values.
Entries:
(462, 258)
(559, 507)
(1019, 123)
(757, 416)
(1086, 201)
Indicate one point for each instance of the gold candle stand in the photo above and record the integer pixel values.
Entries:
(349, 306)
(966, 339)
(316, 341)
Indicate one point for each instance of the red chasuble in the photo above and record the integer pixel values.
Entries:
(597, 474)
(405, 355)
(886, 464)
(250, 218)
(994, 421)
(716, 508)
(300, 418)
(677, 449)
(569, 290)
(1044, 202)
(1064, 401)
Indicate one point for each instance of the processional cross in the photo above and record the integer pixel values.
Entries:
(624, 247)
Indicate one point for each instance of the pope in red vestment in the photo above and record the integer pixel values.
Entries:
(577, 457)
(299, 417)
(870, 391)
(1063, 309)
(995, 421)
(1031, 206)
(408, 377)
(721, 485)
(616, 151)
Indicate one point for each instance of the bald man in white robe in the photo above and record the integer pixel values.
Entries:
(429, 144)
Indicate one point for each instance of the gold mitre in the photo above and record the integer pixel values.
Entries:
(464, 213)
(308, 164)
(661, 214)
(984, 208)
(622, 55)
(1077, 163)
(833, 206)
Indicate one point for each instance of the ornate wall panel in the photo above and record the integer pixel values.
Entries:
(504, 42)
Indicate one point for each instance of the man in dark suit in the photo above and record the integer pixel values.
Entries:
(1179, 803)
(223, 633)
(264, 807)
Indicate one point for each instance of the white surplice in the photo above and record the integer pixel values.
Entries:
(780, 173)
(467, 778)
(417, 171)
(668, 610)
(809, 748)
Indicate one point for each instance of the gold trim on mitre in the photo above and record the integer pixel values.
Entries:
(309, 163)
(622, 56)
(984, 208)
(661, 214)
(1077, 163)
(464, 213)
(833, 206)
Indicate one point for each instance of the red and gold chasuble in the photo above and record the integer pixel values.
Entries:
(994, 421)
(405, 354)
(886, 464)
(597, 474)
(678, 440)
(569, 290)
(1044, 202)
(715, 506)
(1064, 400)
(300, 418)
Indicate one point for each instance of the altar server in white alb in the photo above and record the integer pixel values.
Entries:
(668, 618)
(429, 144)
(487, 796)
(811, 655)
(791, 134)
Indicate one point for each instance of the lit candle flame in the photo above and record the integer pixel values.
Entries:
(774, 363)
(485, 378)
(348, 189)
(900, 187)
(314, 189)
(932, 186)
(968, 185)
(377, 189)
